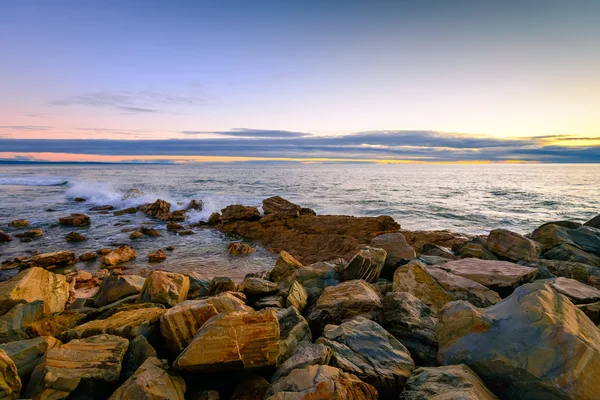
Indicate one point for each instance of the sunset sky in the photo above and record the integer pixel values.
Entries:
(427, 81)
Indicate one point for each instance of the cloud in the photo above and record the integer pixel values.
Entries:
(32, 128)
(250, 133)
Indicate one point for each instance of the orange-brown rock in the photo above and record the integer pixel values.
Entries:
(118, 256)
(157, 256)
(48, 260)
(239, 249)
(277, 204)
(75, 220)
(417, 239)
(284, 266)
(157, 209)
(10, 383)
(238, 212)
(180, 323)
(166, 288)
(19, 223)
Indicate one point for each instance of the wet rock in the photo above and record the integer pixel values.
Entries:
(130, 210)
(118, 287)
(87, 368)
(451, 240)
(14, 323)
(415, 279)
(594, 222)
(27, 354)
(475, 248)
(149, 231)
(85, 257)
(396, 247)
(136, 235)
(19, 223)
(297, 296)
(103, 251)
(512, 246)
(186, 232)
(345, 301)
(214, 218)
(57, 323)
(367, 265)
(152, 380)
(238, 212)
(284, 267)
(533, 344)
(220, 285)
(102, 208)
(363, 348)
(577, 292)
(276, 204)
(170, 248)
(500, 276)
(5, 237)
(320, 382)
(567, 252)
(75, 220)
(139, 350)
(75, 237)
(10, 383)
(199, 286)
(174, 226)
(447, 382)
(180, 323)
(118, 256)
(253, 387)
(433, 250)
(293, 329)
(166, 288)
(157, 256)
(49, 260)
(410, 321)
(233, 341)
(239, 249)
(195, 205)
(258, 287)
(459, 288)
(157, 209)
(305, 354)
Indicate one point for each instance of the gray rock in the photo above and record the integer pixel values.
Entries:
(397, 250)
(583, 273)
(293, 329)
(305, 354)
(594, 222)
(433, 250)
(13, 324)
(116, 288)
(367, 264)
(199, 286)
(139, 350)
(577, 292)
(512, 246)
(27, 354)
(460, 288)
(585, 238)
(567, 252)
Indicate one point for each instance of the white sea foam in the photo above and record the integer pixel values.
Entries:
(33, 181)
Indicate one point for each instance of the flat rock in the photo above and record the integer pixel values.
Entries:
(584, 273)
(258, 287)
(116, 288)
(305, 354)
(10, 383)
(180, 323)
(363, 348)
(451, 240)
(459, 288)
(512, 246)
(166, 288)
(396, 247)
(578, 292)
(415, 279)
(533, 344)
(367, 265)
(49, 260)
(118, 256)
(27, 354)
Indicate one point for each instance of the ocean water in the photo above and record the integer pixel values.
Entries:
(466, 198)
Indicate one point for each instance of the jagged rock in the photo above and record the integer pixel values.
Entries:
(297, 296)
(214, 218)
(258, 287)
(253, 387)
(157, 256)
(233, 341)
(347, 300)
(583, 273)
(221, 285)
(512, 246)
(284, 267)
(451, 240)
(5, 237)
(152, 380)
(533, 344)
(195, 205)
(49, 260)
(305, 354)
(367, 265)
(174, 226)
(118, 256)
(276, 204)
(35, 284)
(396, 247)
(180, 323)
(577, 292)
(500, 276)
(136, 235)
(410, 321)
(585, 238)
(414, 278)
(19, 223)
(139, 350)
(75, 220)
(10, 383)
(315, 278)
(55, 324)
(199, 286)
(27, 354)
(293, 330)
(567, 252)
(594, 222)
(157, 209)
(238, 212)
(118, 287)
(149, 231)
(166, 288)
(130, 210)
(475, 248)
(320, 382)
(15, 322)
(447, 382)
(459, 288)
(75, 237)
(239, 249)
(85, 257)
(86, 368)
(273, 301)
(433, 250)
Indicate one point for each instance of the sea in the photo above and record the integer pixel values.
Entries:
(467, 198)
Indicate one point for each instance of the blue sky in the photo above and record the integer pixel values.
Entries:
(521, 75)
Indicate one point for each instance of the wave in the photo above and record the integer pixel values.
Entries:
(28, 181)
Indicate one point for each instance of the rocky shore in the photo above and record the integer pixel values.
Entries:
(353, 308)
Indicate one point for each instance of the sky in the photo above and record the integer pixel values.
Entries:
(384, 80)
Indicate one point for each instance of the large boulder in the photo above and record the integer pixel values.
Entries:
(293, 329)
(233, 341)
(305, 354)
(222, 284)
(577, 292)
(180, 323)
(297, 296)
(320, 382)
(585, 238)
(14, 325)
(594, 222)
(49, 260)
(367, 265)
(413, 278)
(512, 246)
(83, 369)
(475, 248)
(166, 288)
(345, 301)
(276, 204)
(238, 212)
(75, 220)
(199, 286)
(118, 256)
(363, 348)
(258, 287)
(35, 284)
(396, 247)
(158, 209)
(116, 288)
(500, 276)
(10, 383)
(459, 288)
(315, 278)
(284, 267)
(567, 252)
(444, 238)
(153, 380)
(584, 273)
(533, 344)
(413, 323)
(27, 354)
(452, 382)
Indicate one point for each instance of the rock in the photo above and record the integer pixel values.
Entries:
(459, 288)
(451, 240)
(118, 287)
(512, 246)
(186, 232)
(233, 341)
(27, 354)
(594, 222)
(592, 310)
(433, 260)
(533, 344)
(180, 323)
(136, 235)
(345, 301)
(130, 210)
(5, 237)
(276, 204)
(238, 212)
(35, 284)
(10, 383)
(75, 220)
(577, 292)
(57, 323)
(447, 382)
(305, 354)
(195, 205)
(258, 287)
(214, 218)
(320, 382)
(239, 249)
(174, 226)
(583, 273)
(284, 267)
(433, 250)
(170, 248)
(500, 276)
(118, 256)
(396, 247)
(86, 368)
(166, 288)
(252, 388)
(584, 237)
(199, 286)
(75, 237)
(367, 265)
(228, 302)
(139, 350)
(293, 330)
(19, 223)
(475, 248)
(415, 279)
(49, 260)
(157, 256)
(153, 380)
(127, 324)
(14, 323)
(314, 278)
(157, 209)
(567, 252)
(410, 321)
(273, 301)
(102, 208)
(103, 252)
(149, 231)
(221, 285)
(85, 257)
(297, 296)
